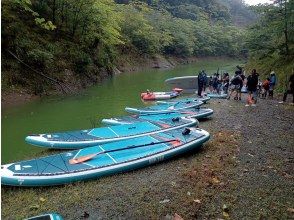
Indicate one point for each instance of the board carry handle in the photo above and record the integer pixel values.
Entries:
(91, 156)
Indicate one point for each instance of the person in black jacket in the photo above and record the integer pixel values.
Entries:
(252, 81)
(235, 83)
(201, 80)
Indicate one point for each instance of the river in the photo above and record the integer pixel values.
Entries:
(108, 99)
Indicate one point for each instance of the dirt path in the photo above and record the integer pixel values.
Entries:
(244, 172)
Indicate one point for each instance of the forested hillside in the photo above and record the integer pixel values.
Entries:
(54, 43)
(270, 40)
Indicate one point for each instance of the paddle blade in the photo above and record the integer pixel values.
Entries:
(82, 159)
(176, 143)
(164, 125)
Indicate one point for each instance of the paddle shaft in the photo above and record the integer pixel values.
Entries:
(135, 146)
(90, 156)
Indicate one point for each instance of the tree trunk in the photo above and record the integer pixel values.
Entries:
(53, 11)
(286, 29)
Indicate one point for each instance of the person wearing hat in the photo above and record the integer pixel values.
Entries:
(273, 82)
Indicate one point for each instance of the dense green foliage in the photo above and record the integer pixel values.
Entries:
(83, 39)
(271, 39)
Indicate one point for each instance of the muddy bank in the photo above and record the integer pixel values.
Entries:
(16, 98)
(244, 172)
(127, 63)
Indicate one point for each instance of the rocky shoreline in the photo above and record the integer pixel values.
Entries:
(19, 96)
(245, 171)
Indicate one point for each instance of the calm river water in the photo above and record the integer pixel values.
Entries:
(87, 109)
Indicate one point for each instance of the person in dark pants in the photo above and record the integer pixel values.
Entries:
(273, 82)
(205, 80)
(236, 81)
(252, 81)
(200, 83)
(289, 89)
(265, 87)
(226, 82)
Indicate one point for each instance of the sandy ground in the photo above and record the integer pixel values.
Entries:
(244, 172)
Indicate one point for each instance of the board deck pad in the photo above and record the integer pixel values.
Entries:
(161, 117)
(165, 107)
(56, 169)
(91, 137)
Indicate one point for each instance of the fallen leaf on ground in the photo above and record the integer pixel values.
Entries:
(215, 180)
(226, 215)
(177, 217)
(42, 199)
(34, 207)
(290, 210)
(197, 201)
(286, 175)
(164, 201)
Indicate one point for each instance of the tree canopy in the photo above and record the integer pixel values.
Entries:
(88, 36)
(271, 39)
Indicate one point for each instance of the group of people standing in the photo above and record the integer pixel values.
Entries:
(239, 83)
(215, 83)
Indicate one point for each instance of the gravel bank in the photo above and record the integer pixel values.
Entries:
(244, 172)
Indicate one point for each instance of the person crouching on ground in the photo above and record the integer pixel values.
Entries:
(252, 81)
